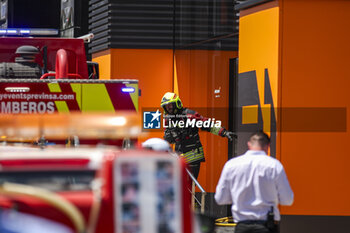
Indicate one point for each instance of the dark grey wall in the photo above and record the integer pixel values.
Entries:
(163, 24)
(315, 224)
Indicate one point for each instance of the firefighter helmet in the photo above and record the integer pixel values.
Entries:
(173, 99)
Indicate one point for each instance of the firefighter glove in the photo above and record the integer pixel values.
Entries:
(229, 135)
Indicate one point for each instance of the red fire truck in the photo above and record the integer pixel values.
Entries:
(88, 189)
(92, 189)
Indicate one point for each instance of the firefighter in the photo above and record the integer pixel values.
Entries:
(181, 129)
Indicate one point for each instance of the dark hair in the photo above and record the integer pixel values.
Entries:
(261, 138)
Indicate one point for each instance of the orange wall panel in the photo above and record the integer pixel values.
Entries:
(199, 73)
(104, 61)
(152, 67)
(315, 73)
(154, 70)
(259, 51)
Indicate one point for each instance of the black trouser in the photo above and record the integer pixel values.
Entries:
(194, 169)
(254, 227)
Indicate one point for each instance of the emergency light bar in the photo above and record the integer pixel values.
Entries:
(28, 32)
(128, 89)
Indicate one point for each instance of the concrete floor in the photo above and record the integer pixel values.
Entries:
(220, 229)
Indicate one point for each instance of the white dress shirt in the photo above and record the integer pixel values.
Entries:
(252, 183)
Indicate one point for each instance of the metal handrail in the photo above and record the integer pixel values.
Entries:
(193, 192)
(195, 181)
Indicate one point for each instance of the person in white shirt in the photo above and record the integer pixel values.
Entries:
(254, 184)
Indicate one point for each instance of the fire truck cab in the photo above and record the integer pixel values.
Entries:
(47, 75)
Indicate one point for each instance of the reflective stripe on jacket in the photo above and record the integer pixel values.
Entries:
(194, 156)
